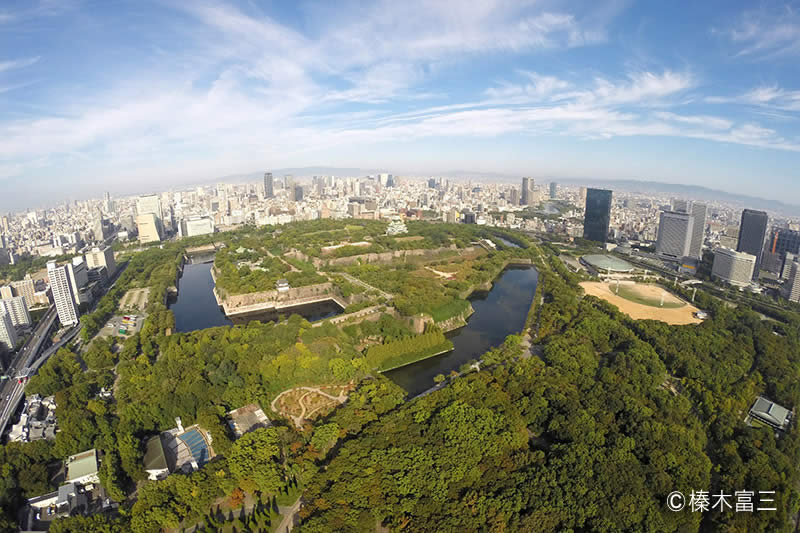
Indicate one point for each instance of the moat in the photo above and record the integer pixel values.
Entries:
(498, 313)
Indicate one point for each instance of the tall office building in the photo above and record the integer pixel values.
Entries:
(108, 204)
(148, 227)
(526, 196)
(675, 232)
(149, 203)
(63, 294)
(792, 288)
(698, 212)
(553, 190)
(297, 192)
(681, 206)
(752, 230)
(734, 267)
(597, 217)
(79, 278)
(8, 334)
(18, 310)
(288, 183)
(513, 197)
(102, 257)
(269, 185)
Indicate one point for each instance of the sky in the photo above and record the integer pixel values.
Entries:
(130, 96)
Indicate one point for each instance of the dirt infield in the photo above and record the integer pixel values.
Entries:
(135, 299)
(679, 316)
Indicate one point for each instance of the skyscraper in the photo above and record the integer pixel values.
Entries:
(148, 227)
(63, 294)
(297, 192)
(675, 230)
(752, 230)
(149, 203)
(146, 205)
(698, 212)
(597, 217)
(8, 334)
(269, 186)
(513, 197)
(526, 196)
(553, 190)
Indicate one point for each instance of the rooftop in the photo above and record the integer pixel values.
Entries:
(607, 262)
(246, 419)
(82, 464)
(771, 413)
(154, 458)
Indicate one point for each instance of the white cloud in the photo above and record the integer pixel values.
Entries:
(766, 33)
(17, 63)
(252, 91)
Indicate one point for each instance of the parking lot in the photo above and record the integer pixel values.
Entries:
(120, 327)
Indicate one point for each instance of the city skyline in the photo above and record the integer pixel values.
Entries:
(173, 94)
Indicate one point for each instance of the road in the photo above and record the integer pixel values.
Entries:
(11, 388)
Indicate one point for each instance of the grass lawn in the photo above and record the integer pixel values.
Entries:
(630, 293)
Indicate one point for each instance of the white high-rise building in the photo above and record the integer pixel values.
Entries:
(149, 203)
(79, 277)
(675, 232)
(8, 334)
(63, 293)
(197, 226)
(734, 267)
(149, 227)
(793, 285)
(698, 212)
(17, 308)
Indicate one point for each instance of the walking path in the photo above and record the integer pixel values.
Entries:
(367, 286)
(298, 420)
(288, 514)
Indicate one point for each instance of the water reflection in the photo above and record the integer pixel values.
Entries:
(498, 313)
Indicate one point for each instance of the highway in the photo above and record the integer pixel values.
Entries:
(11, 391)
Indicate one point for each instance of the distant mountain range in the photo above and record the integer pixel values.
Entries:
(634, 186)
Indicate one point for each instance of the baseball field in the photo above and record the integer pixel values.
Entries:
(643, 302)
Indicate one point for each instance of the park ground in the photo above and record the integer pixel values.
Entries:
(642, 302)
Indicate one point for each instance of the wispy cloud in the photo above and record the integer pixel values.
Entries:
(770, 97)
(18, 63)
(766, 33)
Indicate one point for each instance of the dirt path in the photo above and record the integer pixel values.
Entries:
(298, 420)
(445, 275)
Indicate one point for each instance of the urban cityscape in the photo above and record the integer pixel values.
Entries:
(593, 325)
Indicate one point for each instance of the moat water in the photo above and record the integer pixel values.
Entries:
(498, 313)
(196, 308)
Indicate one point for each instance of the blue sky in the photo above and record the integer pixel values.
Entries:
(129, 95)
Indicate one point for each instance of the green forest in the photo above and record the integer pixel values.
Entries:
(590, 434)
